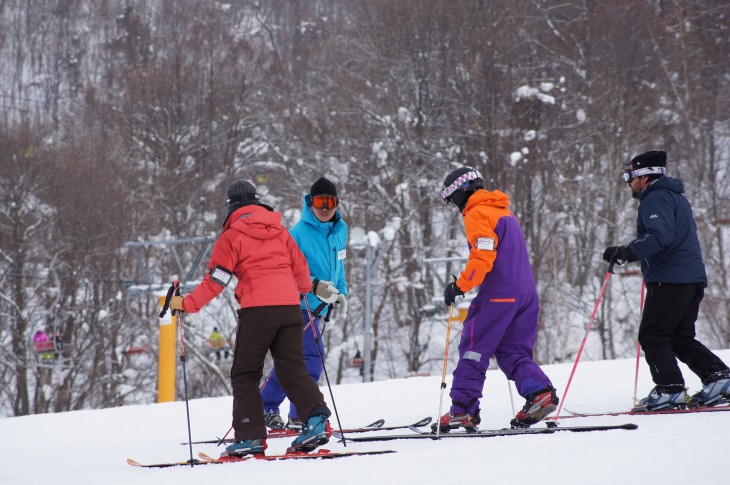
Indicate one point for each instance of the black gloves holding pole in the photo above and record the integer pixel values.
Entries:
(619, 255)
(450, 293)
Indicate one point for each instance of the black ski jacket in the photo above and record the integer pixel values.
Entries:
(667, 243)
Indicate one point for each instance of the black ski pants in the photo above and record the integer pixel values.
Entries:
(667, 333)
(278, 329)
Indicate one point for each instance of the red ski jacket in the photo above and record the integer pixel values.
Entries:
(258, 250)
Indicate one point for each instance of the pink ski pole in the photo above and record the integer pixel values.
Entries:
(585, 338)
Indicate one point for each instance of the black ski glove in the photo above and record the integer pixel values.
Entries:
(450, 294)
(619, 255)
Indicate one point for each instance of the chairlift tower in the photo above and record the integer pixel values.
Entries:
(372, 254)
(168, 325)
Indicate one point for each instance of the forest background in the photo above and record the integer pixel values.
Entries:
(125, 121)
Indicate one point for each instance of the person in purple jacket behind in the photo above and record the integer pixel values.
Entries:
(672, 267)
(502, 317)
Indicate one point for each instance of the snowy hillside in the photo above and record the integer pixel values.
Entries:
(92, 446)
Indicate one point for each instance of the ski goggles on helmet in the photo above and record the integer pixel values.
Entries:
(630, 175)
(459, 183)
(325, 201)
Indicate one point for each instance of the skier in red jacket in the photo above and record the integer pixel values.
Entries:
(272, 273)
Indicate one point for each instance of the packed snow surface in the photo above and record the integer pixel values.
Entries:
(92, 446)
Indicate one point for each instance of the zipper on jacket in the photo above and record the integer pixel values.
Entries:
(502, 300)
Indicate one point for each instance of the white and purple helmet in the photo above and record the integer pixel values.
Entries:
(459, 184)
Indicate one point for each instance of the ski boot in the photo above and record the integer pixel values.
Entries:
(245, 447)
(294, 423)
(537, 406)
(316, 433)
(274, 421)
(716, 391)
(450, 421)
(673, 396)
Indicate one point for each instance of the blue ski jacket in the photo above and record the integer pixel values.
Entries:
(324, 245)
(667, 243)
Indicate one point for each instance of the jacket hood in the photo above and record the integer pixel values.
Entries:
(667, 183)
(256, 221)
(494, 198)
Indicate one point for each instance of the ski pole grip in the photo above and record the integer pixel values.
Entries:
(176, 291)
(329, 311)
(610, 266)
(166, 305)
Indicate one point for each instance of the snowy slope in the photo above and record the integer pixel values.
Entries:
(92, 446)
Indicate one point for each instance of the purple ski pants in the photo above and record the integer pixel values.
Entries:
(501, 324)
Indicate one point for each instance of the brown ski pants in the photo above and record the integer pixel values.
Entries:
(278, 329)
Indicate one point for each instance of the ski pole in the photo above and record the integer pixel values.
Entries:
(638, 345)
(324, 367)
(511, 399)
(271, 373)
(179, 314)
(261, 388)
(443, 372)
(585, 338)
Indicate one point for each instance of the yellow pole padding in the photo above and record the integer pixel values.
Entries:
(166, 361)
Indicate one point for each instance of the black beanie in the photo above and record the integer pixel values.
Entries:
(323, 187)
(240, 193)
(654, 158)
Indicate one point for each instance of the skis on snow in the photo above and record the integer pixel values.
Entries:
(205, 459)
(418, 424)
(284, 433)
(715, 409)
(488, 433)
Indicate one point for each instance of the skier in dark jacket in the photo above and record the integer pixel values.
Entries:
(671, 263)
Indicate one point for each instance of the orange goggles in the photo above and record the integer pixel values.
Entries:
(324, 201)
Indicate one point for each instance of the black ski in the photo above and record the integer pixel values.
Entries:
(579, 429)
(453, 434)
(418, 424)
(492, 433)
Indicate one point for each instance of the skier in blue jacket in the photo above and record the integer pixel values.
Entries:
(672, 267)
(321, 234)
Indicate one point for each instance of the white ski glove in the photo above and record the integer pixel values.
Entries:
(342, 307)
(325, 291)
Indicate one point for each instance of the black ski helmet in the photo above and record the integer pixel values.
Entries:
(460, 184)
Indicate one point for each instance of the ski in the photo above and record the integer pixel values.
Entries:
(290, 432)
(166, 465)
(296, 455)
(453, 434)
(418, 424)
(580, 429)
(209, 460)
(715, 409)
(493, 433)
